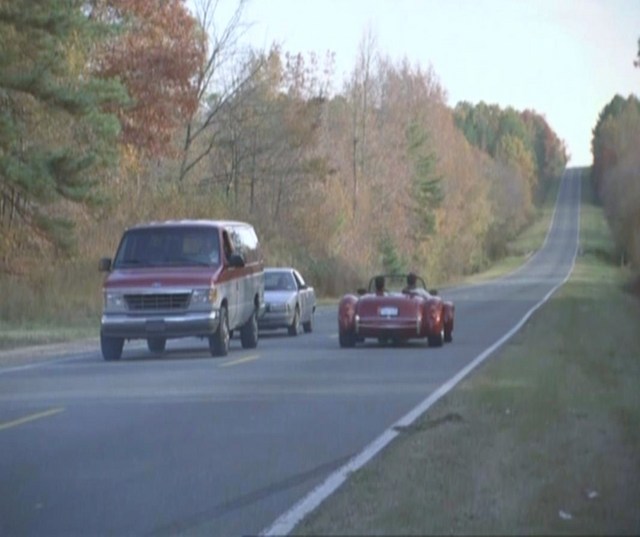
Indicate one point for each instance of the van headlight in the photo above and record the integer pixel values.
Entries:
(114, 301)
(204, 296)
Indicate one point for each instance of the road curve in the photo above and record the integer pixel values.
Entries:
(190, 445)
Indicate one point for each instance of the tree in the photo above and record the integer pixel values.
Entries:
(361, 100)
(221, 78)
(55, 138)
(605, 154)
(157, 52)
(425, 187)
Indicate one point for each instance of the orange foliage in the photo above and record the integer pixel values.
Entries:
(157, 56)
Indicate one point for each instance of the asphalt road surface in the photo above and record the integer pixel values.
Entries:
(186, 444)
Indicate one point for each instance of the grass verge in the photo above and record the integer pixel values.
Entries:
(543, 439)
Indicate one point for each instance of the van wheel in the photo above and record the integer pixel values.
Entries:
(294, 327)
(111, 347)
(156, 344)
(219, 342)
(249, 332)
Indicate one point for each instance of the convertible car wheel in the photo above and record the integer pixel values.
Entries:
(347, 339)
(435, 340)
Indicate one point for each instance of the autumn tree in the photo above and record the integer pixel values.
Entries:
(604, 152)
(226, 70)
(157, 52)
(360, 90)
(617, 161)
(425, 184)
(55, 138)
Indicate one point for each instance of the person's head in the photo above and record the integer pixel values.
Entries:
(411, 279)
(379, 283)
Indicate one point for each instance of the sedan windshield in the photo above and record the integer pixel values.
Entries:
(279, 281)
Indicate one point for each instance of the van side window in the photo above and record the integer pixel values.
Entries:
(226, 244)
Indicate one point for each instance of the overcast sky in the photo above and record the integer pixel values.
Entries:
(565, 59)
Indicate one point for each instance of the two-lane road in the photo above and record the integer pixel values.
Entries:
(187, 444)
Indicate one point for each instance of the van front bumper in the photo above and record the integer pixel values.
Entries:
(200, 324)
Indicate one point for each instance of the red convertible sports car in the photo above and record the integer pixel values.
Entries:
(394, 309)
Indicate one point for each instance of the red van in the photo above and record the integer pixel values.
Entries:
(175, 279)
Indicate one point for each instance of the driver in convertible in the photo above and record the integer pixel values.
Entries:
(379, 285)
(412, 286)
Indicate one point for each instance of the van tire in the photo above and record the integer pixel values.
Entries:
(219, 341)
(111, 347)
(156, 344)
(249, 332)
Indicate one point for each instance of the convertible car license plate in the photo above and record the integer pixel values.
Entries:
(389, 312)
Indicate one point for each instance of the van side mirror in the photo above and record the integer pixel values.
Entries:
(361, 291)
(104, 265)
(236, 260)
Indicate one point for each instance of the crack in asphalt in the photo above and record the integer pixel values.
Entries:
(244, 500)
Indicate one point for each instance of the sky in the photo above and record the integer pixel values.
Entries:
(565, 59)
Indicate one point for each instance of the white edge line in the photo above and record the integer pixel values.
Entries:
(44, 363)
(288, 520)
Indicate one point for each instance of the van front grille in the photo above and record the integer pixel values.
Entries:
(163, 301)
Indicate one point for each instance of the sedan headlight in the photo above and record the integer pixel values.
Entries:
(114, 301)
(204, 296)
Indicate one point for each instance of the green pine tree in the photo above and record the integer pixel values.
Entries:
(56, 136)
(426, 190)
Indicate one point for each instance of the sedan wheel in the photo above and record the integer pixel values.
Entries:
(308, 326)
(294, 328)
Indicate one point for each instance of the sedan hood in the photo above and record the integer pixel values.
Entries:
(277, 297)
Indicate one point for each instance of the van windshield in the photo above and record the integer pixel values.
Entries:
(168, 246)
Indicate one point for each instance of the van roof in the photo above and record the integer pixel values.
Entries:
(189, 223)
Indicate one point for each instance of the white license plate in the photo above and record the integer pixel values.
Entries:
(389, 312)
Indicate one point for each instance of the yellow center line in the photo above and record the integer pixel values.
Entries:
(31, 417)
(241, 360)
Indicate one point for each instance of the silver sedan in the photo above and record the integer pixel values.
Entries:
(290, 302)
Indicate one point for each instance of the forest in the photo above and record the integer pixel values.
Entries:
(114, 112)
(616, 172)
